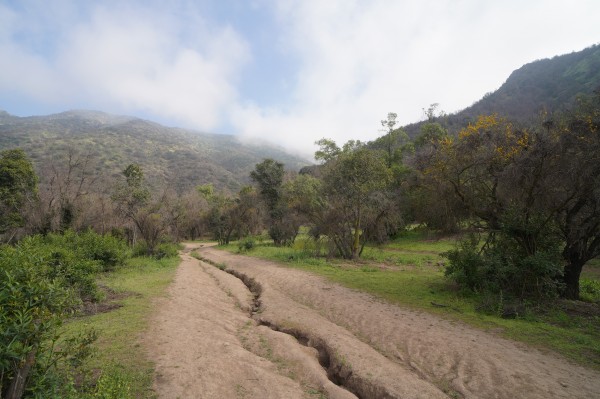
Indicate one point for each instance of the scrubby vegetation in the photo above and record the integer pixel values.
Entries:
(43, 281)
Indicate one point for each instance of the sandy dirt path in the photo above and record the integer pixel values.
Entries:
(298, 335)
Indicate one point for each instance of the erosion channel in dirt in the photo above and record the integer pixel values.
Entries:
(260, 330)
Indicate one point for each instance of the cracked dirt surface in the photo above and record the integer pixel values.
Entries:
(260, 330)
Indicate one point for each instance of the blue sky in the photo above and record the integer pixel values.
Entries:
(288, 72)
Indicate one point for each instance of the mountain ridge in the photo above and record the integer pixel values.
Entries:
(542, 86)
(180, 157)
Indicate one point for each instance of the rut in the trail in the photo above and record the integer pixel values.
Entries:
(337, 372)
(410, 354)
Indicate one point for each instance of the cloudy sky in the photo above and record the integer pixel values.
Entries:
(287, 71)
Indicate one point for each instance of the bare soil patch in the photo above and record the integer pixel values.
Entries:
(108, 303)
(260, 330)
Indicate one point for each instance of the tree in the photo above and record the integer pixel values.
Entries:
(328, 150)
(65, 186)
(431, 130)
(574, 191)
(395, 143)
(18, 185)
(132, 199)
(489, 169)
(228, 217)
(388, 124)
(351, 183)
(268, 175)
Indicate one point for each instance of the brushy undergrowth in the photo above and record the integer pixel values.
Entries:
(410, 271)
(46, 284)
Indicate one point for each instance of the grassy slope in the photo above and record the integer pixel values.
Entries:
(118, 346)
(409, 272)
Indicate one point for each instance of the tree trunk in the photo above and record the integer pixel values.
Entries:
(572, 272)
(356, 239)
(17, 386)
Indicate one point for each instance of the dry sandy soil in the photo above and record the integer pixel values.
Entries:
(260, 330)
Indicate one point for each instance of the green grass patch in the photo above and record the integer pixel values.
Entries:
(417, 241)
(591, 270)
(118, 356)
(416, 280)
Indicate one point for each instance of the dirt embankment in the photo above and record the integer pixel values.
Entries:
(260, 330)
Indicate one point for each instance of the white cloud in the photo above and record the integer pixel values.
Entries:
(361, 60)
(353, 61)
(135, 60)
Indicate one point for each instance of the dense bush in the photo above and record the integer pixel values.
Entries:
(502, 265)
(246, 244)
(32, 307)
(42, 281)
(109, 251)
(163, 250)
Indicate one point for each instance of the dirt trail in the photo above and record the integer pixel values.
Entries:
(298, 335)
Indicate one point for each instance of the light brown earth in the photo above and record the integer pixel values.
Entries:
(300, 336)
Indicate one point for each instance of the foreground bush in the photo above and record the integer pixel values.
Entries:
(43, 280)
(32, 306)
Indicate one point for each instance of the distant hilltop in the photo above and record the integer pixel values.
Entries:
(550, 85)
(182, 158)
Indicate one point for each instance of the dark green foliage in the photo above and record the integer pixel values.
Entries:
(32, 307)
(575, 190)
(74, 259)
(466, 265)
(246, 244)
(282, 225)
(503, 267)
(43, 279)
(269, 176)
(18, 183)
(162, 250)
(110, 251)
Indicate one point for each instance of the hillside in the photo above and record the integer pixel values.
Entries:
(545, 85)
(181, 157)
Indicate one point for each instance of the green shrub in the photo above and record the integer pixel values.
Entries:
(589, 290)
(32, 307)
(163, 250)
(166, 250)
(42, 281)
(465, 264)
(246, 244)
(110, 251)
(57, 262)
(140, 249)
(503, 266)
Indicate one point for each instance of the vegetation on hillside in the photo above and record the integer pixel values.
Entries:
(175, 157)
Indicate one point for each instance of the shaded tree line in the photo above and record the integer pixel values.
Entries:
(529, 194)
